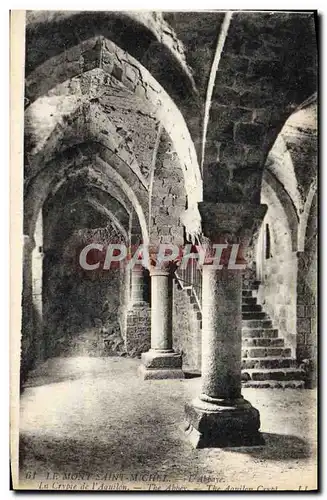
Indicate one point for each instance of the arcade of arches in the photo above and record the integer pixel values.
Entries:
(173, 128)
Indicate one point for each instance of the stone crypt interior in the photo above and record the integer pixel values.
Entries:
(170, 128)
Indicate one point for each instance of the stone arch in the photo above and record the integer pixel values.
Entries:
(273, 197)
(146, 87)
(280, 164)
(109, 188)
(305, 216)
(40, 187)
(85, 122)
(255, 92)
(278, 273)
(287, 205)
(95, 204)
(66, 29)
(105, 205)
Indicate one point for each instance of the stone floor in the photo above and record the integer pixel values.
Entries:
(95, 416)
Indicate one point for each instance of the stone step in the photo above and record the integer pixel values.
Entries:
(265, 333)
(196, 308)
(251, 308)
(267, 362)
(254, 315)
(265, 374)
(251, 285)
(248, 301)
(262, 342)
(274, 384)
(257, 323)
(248, 292)
(262, 352)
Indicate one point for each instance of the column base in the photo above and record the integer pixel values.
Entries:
(222, 424)
(157, 365)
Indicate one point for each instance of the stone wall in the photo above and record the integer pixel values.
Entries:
(138, 331)
(278, 273)
(80, 311)
(277, 294)
(168, 200)
(186, 330)
(307, 298)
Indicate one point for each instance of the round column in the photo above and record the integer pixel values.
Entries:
(220, 416)
(161, 361)
(161, 310)
(221, 333)
(137, 288)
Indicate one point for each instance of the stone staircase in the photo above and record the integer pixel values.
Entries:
(266, 362)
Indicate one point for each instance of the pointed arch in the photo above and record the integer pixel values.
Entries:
(102, 172)
(286, 203)
(116, 63)
(305, 216)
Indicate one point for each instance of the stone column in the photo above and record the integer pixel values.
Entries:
(137, 336)
(137, 287)
(220, 416)
(161, 361)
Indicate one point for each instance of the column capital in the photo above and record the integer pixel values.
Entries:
(163, 269)
(159, 271)
(230, 222)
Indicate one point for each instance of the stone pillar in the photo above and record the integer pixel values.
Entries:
(137, 287)
(221, 333)
(220, 416)
(161, 361)
(137, 337)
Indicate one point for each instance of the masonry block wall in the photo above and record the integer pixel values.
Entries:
(168, 200)
(138, 331)
(307, 297)
(277, 292)
(80, 307)
(306, 314)
(245, 106)
(186, 330)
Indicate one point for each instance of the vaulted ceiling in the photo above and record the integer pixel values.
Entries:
(214, 89)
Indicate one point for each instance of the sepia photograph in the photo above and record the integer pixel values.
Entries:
(164, 332)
